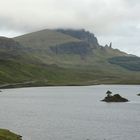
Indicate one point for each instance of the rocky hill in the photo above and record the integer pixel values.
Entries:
(64, 47)
(64, 57)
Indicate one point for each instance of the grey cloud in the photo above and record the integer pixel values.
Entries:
(110, 20)
(26, 14)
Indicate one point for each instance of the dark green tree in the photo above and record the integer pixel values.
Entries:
(108, 93)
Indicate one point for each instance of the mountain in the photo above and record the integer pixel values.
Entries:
(66, 47)
(64, 57)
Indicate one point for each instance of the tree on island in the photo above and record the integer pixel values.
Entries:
(108, 93)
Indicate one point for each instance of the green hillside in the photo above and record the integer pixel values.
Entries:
(15, 74)
(63, 57)
(130, 63)
(44, 39)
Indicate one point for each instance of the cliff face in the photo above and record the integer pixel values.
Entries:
(80, 48)
(82, 35)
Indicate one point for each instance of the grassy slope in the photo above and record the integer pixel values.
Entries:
(39, 43)
(44, 39)
(7, 135)
(130, 63)
(23, 74)
(92, 69)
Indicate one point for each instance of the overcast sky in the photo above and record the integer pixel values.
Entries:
(116, 21)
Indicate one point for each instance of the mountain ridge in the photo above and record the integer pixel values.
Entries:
(53, 42)
(64, 57)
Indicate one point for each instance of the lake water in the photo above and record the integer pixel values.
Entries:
(71, 113)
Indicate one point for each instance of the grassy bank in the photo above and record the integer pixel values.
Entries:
(16, 74)
(8, 135)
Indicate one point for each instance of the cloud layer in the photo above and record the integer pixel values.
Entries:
(116, 21)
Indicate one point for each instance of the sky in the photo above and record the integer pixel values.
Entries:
(116, 21)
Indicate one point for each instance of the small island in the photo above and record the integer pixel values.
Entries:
(8, 135)
(138, 94)
(114, 98)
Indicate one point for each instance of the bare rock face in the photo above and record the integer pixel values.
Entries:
(82, 35)
(81, 48)
(114, 98)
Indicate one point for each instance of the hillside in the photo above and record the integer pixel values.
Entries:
(9, 48)
(63, 57)
(66, 47)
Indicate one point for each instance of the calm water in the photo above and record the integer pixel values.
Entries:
(71, 113)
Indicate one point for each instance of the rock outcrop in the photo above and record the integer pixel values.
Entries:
(83, 35)
(115, 98)
(80, 48)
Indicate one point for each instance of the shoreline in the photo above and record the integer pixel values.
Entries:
(29, 84)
